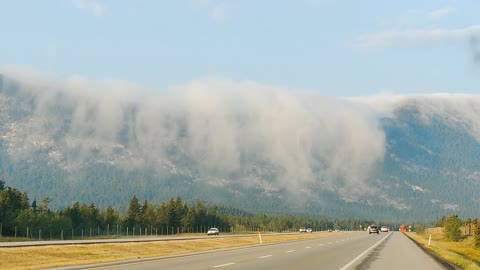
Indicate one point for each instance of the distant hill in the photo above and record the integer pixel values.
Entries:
(264, 151)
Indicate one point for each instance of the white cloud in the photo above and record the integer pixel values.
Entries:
(224, 128)
(450, 206)
(92, 6)
(440, 13)
(415, 18)
(416, 188)
(227, 128)
(220, 127)
(416, 28)
(414, 37)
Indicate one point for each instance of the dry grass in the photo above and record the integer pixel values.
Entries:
(462, 253)
(64, 255)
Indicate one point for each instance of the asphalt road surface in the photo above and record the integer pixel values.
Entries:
(356, 250)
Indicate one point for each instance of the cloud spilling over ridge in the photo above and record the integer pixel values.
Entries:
(241, 132)
(458, 109)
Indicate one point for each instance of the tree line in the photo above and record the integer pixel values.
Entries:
(20, 218)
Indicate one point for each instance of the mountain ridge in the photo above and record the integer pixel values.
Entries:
(414, 162)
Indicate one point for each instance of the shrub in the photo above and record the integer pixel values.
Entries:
(476, 233)
(451, 229)
(420, 228)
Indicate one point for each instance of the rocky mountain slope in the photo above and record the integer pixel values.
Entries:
(244, 145)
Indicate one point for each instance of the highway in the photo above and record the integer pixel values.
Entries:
(356, 250)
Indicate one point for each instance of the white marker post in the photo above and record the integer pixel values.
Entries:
(260, 237)
(429, 239)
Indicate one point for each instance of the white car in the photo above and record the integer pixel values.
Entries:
(213, 231)
(372, 229)
(384, 229)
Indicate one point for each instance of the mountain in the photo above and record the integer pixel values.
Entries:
(240, 145)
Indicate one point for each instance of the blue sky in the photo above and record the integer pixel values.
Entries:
(334, 47)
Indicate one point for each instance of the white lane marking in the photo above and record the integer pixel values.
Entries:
(348, 265)
(321, 244)
(222, 265)
(329, 243)
(266, 256)
(290, 251)
(308, 247)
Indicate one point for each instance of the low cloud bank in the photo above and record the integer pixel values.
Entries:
(240, 132)
(222, 132)
(459, 110)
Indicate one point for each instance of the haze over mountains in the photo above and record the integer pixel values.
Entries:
(258, 148)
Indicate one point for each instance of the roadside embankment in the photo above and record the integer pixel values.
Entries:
(458, 255)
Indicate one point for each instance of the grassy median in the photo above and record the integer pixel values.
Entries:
(462, 253)
(64, 255)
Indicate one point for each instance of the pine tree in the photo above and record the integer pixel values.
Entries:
(133, 217)
(12, 201)
(189, 219)
(149, 219)
(110, 217)
(74, 214)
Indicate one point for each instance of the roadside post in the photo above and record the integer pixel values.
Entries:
(260, 237)
(429, 239)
